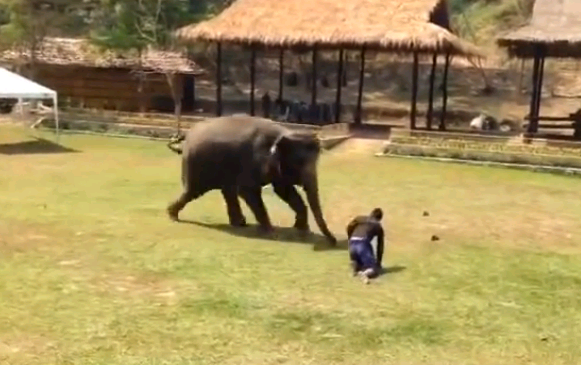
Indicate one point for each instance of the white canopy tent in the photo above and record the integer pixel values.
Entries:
(14, 86)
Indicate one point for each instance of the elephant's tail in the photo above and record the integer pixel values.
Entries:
(172, 142)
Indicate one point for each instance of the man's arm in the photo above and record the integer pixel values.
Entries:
(351, 227)
(379, 245)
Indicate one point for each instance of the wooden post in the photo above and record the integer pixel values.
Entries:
(534, 94)
(430, 114)
(520, 78)
(539, 92)
(314, 78)
(193, 93)
(414, 106)
(252, 79)
(442, 126)
(280, 74)
(339, 85)
(358, 111)
(218, 79)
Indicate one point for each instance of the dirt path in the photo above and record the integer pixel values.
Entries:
(360, 146)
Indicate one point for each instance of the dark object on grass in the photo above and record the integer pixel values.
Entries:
(435, 238)
(426, 213)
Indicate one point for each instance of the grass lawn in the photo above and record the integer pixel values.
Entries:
(93, 272)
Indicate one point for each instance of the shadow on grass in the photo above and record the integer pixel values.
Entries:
(281, 234)
(391, 270)
(38, 145)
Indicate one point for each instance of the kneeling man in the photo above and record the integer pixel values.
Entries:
(360, 232)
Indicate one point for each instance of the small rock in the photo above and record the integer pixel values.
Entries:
(69, 262)
(435, 238)
(426, 213)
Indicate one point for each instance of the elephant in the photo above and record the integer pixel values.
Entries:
(240, 154)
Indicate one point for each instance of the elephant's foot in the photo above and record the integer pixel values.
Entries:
(302, 225)
(265, 229)
(238, 222)
(332, 240)
(173, 212)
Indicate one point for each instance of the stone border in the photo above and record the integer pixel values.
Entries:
(568, 171)
(131, 131)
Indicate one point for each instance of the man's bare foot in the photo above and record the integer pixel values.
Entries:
(363, 277)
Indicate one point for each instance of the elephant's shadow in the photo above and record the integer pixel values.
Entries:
(288, 234)
(280, 234)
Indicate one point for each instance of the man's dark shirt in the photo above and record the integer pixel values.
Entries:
(367, 228)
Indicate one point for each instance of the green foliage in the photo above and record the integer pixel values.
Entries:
(458, 6)
(135, 24)
(480, 21)
(26, 22)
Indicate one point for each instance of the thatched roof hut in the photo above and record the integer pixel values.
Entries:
(555, 27)
(89, 77)
(401, 26)
(79, 52)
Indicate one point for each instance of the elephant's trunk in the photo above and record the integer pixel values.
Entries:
(311, 187)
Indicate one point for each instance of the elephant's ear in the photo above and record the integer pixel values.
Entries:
(303, 142)
(299, 149)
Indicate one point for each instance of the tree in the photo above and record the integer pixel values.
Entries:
(137, 25)
(25, 23)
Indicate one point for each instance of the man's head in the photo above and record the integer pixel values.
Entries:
(377, 214)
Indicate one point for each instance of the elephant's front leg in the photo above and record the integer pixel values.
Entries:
(253, 197)
(291, 196)
(235, 215)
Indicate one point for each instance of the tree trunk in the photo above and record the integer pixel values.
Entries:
(176, 94)
(141, 85)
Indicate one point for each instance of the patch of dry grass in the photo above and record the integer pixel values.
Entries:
(93, 272)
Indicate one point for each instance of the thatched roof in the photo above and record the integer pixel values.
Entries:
(79, 52)
(554, 25)
(388, 25)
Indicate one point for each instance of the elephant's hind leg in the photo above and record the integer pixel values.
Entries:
(253, 197)
(235, 215)
(291, 196)
(175, 207)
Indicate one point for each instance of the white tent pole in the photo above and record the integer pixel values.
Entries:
(56, 115)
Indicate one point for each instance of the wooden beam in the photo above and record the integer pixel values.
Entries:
(442, 126)
(280, 73)
(314, 78)
(414, 106)
(252, 79)
(359, 111)
(218, 79)
(430, 114)
(339, 86)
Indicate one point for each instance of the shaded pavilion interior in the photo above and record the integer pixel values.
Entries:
(554, 31)
(406, 27)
